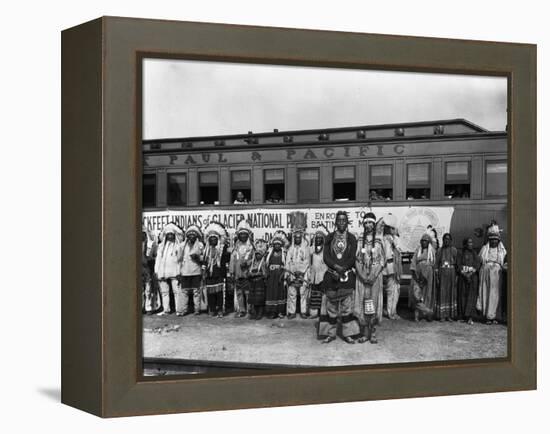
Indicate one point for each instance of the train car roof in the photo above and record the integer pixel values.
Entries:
(462, 126)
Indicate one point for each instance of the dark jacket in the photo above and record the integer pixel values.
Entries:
(331, 284)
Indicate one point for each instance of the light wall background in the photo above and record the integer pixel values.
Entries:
(30, 221)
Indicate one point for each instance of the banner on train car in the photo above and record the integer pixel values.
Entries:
(412, 221)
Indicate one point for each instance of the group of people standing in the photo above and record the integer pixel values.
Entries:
(332, 277)
(449, 285)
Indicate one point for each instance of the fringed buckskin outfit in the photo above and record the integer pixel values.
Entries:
(369, 263)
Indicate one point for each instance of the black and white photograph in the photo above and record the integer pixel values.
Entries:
(308, 217)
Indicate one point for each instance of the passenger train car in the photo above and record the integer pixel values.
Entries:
(416, 169)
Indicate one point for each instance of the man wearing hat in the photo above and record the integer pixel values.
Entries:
(317, 271)
(369, 263)
(167, 266)
(339, 282)
(392, 268)
(191, 257)
(297, 266)
(493, 257)
(275, 300)
(239, 265)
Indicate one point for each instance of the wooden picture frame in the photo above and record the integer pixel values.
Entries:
(101, 206)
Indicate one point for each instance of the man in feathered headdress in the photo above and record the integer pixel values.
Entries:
(369, 264)
(317, 271)
(167, 266)
(275, 300)
(297, 266)
(216, 258)
(339, 282)
(239, 265)
(191, 257)
(423, 278)
(148, 255)
(257, 276)
(392, 267)
(493, 259)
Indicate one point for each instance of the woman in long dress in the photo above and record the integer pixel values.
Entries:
(369, 263)
(423, 282)
(275, 299)
(445, 265)
(468, 281)
(492, 255)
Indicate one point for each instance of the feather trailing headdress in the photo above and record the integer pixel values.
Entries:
(280, 237)
(194, 229)
(428, 236)
(298, 221)
(430, 230)
(321, 230)
(171, 228)
(212, 254)
(215, 229)
(244, 226)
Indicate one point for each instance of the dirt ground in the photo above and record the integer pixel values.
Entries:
(294, 342)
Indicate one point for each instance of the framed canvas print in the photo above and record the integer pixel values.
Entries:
(283, 216)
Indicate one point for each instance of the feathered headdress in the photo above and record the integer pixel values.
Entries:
(430, 230)
(213, 254)
(171, 228)
(429, 237)
(298, 221)
(493, 231)
(280, 237)
(244, 226)
(194, 229)
(321, 230)
(215, 229)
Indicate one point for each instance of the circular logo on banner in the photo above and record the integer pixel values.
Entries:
(413, 225)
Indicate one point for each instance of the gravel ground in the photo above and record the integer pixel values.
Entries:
(294, 342)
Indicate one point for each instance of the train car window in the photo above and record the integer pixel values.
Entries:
(274, 185)
(240, 186)
(381, 182)
(496, 178)
(308, 185)
(343, 183)
(177, 189)
(149, 190)
(457, 180)
(418, 181)
(208, 188)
